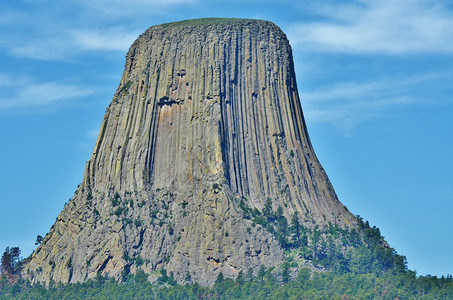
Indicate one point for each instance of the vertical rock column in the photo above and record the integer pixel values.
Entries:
(207, 114)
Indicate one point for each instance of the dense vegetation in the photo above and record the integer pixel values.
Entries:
(10, 259)
(342, 264)
(362, 250)
(307, 284)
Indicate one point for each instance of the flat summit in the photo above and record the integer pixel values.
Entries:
(204, 135)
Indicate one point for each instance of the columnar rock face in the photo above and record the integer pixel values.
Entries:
(206, 121)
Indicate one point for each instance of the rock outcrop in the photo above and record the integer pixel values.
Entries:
(205, 126)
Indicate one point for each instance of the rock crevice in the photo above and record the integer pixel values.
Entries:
(206, 116)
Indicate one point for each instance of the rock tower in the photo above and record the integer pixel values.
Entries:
(205, 127)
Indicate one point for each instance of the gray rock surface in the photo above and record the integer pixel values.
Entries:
(207, 114)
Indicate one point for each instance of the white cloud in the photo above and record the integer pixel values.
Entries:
(8, 17)
(28, 96)
(63, 45)
(5, 80)
(345, 115)
(67, 43)
(61, 31)
(93, 133)
(120, 4)
(386, 26)
(121, 9)
(348, 104)
(41, 48)
(112, 39)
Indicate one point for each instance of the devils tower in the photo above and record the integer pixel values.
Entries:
(205, 128)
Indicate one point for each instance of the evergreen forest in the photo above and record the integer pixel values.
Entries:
(328, 263)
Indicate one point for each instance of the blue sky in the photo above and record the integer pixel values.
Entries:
(375, 80)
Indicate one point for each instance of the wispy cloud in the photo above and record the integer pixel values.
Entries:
(76, 27)
(41, 48)
(346, 105)
(120, 8)
(26, 95)
(5, 80)
(383, 27)
(65, 44)
(112, 39)
(93, 133)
